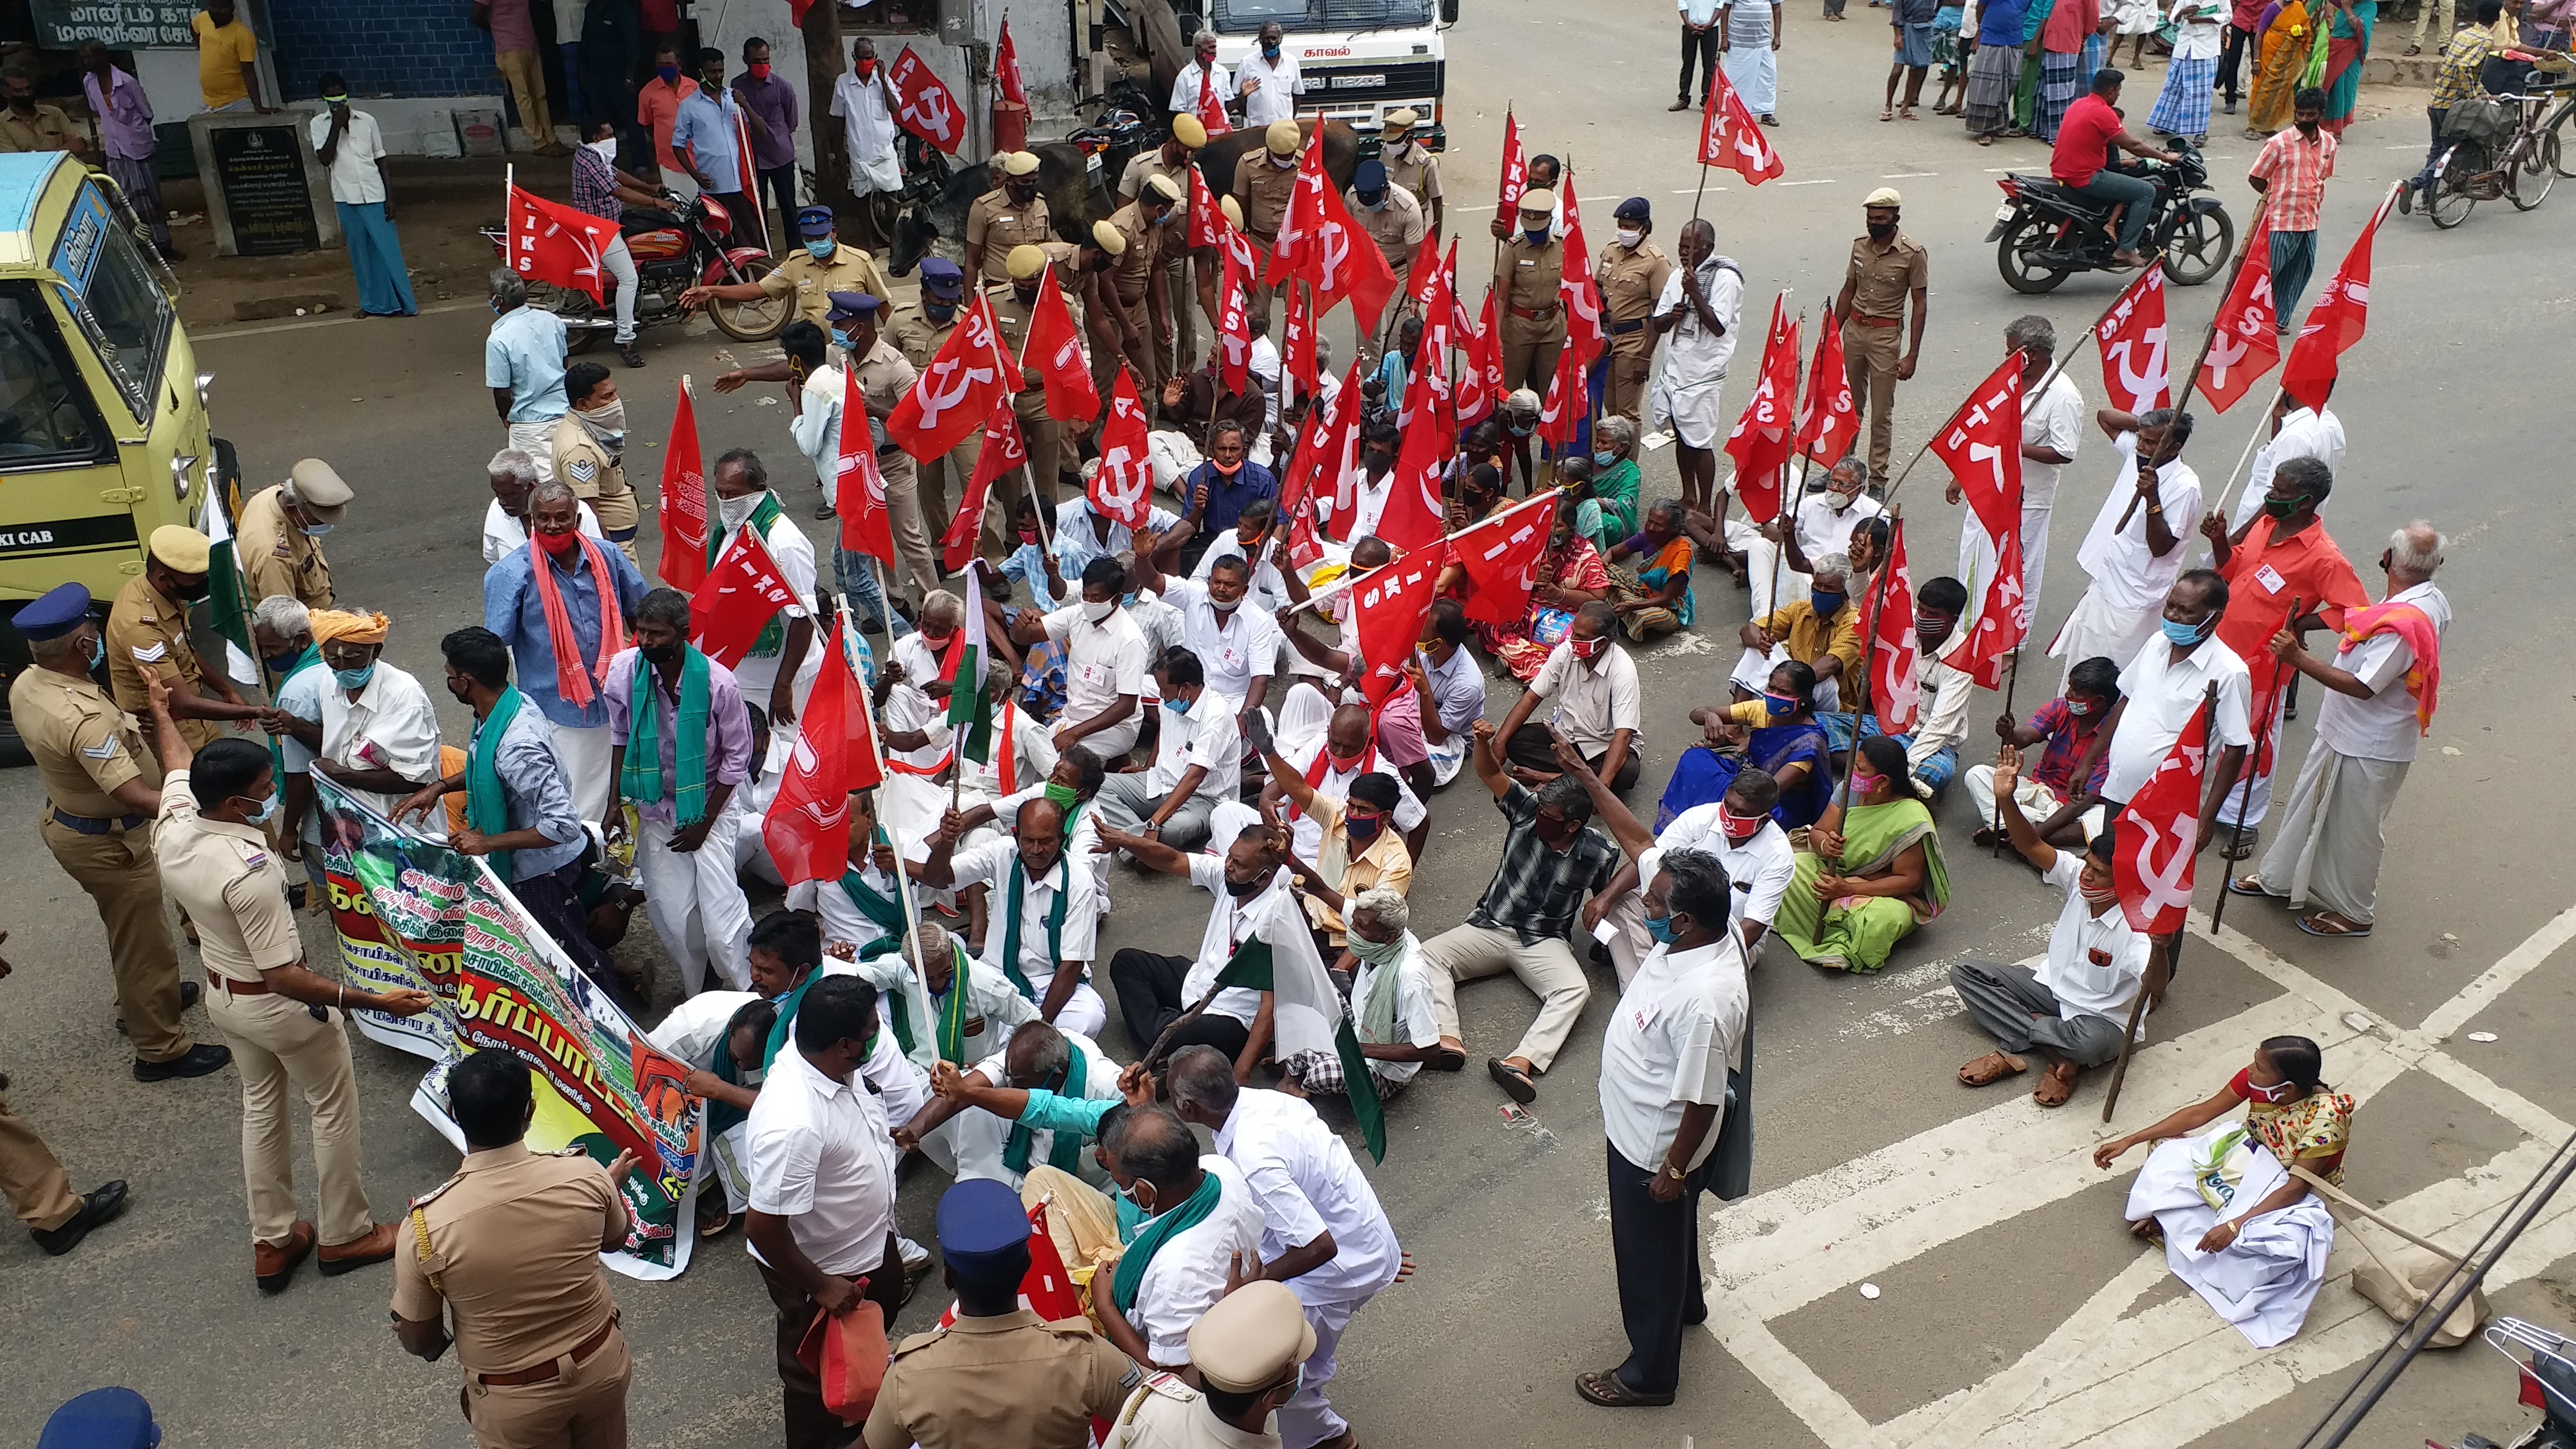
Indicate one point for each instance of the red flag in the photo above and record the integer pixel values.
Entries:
(1480, 381)
(1413, 520)
(1515, 179)
(1584, 336)
(553, 243)
(1298, 369)
(1568, 402)
(1761, 440)
(2248, 341)
(859, 486)
(1234, 329)
(2137, 375)
(1207, 220)
(1828, 424)
(2335, 323)
(1729, 137)
(1003, 452)
(807, 825)
(1007, 83)
(1322, 459)
(1211, 107)
(1348, 263)
(740, 595)
(1293, 251)
(1981, 446)
(1389, 606)
(956, 392)
(922, 103)
(2158, 833)
(1893, 690)
(1501, 557)
(1122, 485)
(1054, 348)
(1420, 273)
(682, 508)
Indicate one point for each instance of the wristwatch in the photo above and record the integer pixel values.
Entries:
(1675, 1173)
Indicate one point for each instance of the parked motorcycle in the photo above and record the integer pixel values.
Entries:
(2548, 1384)
(2046, 232)
(687, 246)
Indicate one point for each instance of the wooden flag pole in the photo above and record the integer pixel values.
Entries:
(2253, 763)
(2012, 677)
(2168, 950)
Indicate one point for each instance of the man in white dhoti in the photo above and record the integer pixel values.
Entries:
(1749, 31)
(1698, 311)
(2134, 551)
(2378, 706)
(865, 104)
(2052, 422)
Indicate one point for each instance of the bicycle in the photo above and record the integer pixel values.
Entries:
(2470, 171)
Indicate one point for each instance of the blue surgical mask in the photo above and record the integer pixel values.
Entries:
(1826, 605)
(1661, 928)
(1603, 459)
(1537, 236)
(939, 312)
(1177, 706)
(843, 340)
(260, 816)
(2184, 636)
(1270, 52)
(355, 678)
(670, 74)
(97, 652)
(820, 248)
(316, 530)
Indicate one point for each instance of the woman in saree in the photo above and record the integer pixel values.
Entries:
(1871, 871)
(1569, 576)
(2258, 1265)
(2347, 44)
(1615, 478)
(2286, 43)
(1650, 574)
(1778, 734)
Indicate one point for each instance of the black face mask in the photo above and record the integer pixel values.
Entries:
(1020, 193)
(661, 658)
(1881, 231)
(462, 696)
(1242, 888)
(191, 593)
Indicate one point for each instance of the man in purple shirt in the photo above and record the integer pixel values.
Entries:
(683, 743)
(769, 110)
(125, 125)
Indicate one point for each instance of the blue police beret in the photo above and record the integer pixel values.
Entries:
(103, 1419)
(849, 305)
(941, 277)
(1634, 209)
(983, 1230)
(55, 614)
(1369, 178)
(813, 220)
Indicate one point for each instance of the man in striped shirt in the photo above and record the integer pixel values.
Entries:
(604, 191)
(2291, 174)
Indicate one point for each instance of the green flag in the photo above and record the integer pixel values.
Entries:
(968, 710)
(226, 603)
(1306, 1015)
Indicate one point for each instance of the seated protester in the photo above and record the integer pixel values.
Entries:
(2063, 792)
(1197, 404)
(1380, 441)
(1871, 872)
(1651, 594)
(1479, 496)
(720, 1036)
(1040, 688)
(911, 695)
(1821, 631)
(1598, 705)
(1237, 642)
(1041, 922)
(1198, 762)
(1084, 533)
(1159, 622)
(941, 1004)
(1250, 539)
(1217, 491)
(1479, 446)
(2074, 1008)
(1072, 785)
(1824, 521)
(379, 733)
(1615, 482)
(1447, 695)
(1550, 864)
(1105, 674)
(1202, 1223)
(1357, 848)
(1776, 734)
(1737, 831)
(1941, 703)
(1180, 993)
(1329, 766)
(1032, 565)
(1314, 658)
(861, 914)
(518, 808)
(1036, 1058)
(1391, 1011)
(514, 485)
(749, 806)
(2260, 1260)
(1569, 575)
(1519, 416)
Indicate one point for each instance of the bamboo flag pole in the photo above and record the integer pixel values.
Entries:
(2261, 421)
(2252, 770)
(2209, 338)
(2171, 952)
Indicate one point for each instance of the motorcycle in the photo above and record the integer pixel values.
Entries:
(2548, 1384)
(2045, 232)
(682, 247)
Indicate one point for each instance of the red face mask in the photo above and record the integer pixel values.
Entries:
(1588, 650)
(760, 71)
(558, 544)
(867, 68)
(1739, 828)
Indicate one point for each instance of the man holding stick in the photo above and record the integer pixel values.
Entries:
(2133, 552)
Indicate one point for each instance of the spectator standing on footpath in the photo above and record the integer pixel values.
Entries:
(125, 132)
(705, 141)
(514, 54)
(1912, 22)
(865, 104)
(1749, 32)
(349, 143)
(227, 60)
(1699, 46)
(2291, 173)
(770, 110)
(657, 108)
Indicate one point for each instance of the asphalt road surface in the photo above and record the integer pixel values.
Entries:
(2012, 1309)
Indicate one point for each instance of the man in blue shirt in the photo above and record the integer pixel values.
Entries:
(1219, 489)
(523, 364)
(707, 139)
(560, 676)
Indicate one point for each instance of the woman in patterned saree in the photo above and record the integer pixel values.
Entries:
(1570, 574)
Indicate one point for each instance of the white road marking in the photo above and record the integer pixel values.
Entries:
(334, 320)
(1811, 181)
(2499, 978)
(1906, 175)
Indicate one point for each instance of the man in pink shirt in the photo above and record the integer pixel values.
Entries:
(657, 106)
(514, 54)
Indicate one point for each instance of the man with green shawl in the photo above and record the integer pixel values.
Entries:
(281, 630)
(1201, 1233)
(683, 744)
(1039, 1057)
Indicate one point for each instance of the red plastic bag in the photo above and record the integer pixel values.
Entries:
(848, 1354)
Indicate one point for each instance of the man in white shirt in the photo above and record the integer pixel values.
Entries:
(1202, 77)
(1198, 761)
(1269, 84)
(1250, 538)
(1738, 832)
(1201, 1223)
(864, 103)
(2052, 422)
(2073, 1009)
(2134, 551)
(912, 690)
(1824, 522)
(1041, 925)
(861, 913)
(1323, 1232)
(2378, 704)
(2298, 431)
(822, 1188)
(1701, 305)
(2166, 683)
(1671, 1063)
(1035, 1057)
(1179, 993)
(379, 730)
(784, 662)
(505, 524)
(1236, 641)
(1392, 1012)
(1380, 441)
(351, 147)
(1599, 706)
(1104, 674)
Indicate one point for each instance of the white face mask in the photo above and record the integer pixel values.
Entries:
(1840, 502)
(735, 510)
(1099, 611)
(1630, 239)
(607, 149)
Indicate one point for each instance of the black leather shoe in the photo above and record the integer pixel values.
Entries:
(823, 509)
(190, 993)
(97, 1207)
(196, 1061)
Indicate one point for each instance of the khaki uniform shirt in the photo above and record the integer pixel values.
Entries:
(594, 478)
(1883, 278)
(229, 882)
(148, 632)
(514, 1240)
(1263, 191)
(1414, 168)
(1012, 1380)
(994, 226)
(1535, 273)
(83, 745)
(51, 130)
(885, 375)
(1630, 283)
(1165, 1413)
(1011, 319)
(917, 337)
(276, 557)
(1397, 227)
(1132, 269)
(1131, 184)
(812, 283)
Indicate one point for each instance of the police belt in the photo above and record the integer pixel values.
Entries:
(1622, 329)
(552, 1368)
(88, 826)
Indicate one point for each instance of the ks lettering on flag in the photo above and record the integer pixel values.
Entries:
(557, 244)
(2336, 322)
(1730, 138)
(1828, 422)
(1761, 440)
(2248, 342)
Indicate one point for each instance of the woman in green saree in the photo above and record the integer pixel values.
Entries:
(1615, 481)
(1885, 875)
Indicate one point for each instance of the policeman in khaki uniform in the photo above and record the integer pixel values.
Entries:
(884, 376)
(1409, 163)
(999, 1375)
(1631, 277)
(1265, 181)
(509, 1248)
(216, 862)
(100, 797)
(1533, 319)
(147, 634)
(1247, 1350)
(280, 538)
(825, 265)
(1140, 281)
(1886, 268)
(590, 453)
(918, 332)
(1040, 433)
(999, 221)
(1174, 161)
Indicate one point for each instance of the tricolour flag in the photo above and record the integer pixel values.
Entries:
(969, 711)
(1306, 1012)
(230, 606)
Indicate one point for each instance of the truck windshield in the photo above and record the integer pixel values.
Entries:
(127, 313)
(1320, 17)
(43, 417)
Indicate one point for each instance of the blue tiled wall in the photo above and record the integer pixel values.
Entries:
(383, 47)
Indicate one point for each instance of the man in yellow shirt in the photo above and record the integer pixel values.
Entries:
(227, 59)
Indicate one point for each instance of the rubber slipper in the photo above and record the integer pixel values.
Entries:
(1610, 1392)
(2236, 886)
(1514, 1082)
(2309, 925)
(1887, 115)
(1447, 1059)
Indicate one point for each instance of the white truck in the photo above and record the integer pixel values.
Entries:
(1360, 58)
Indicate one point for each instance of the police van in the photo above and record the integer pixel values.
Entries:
(103, 427)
